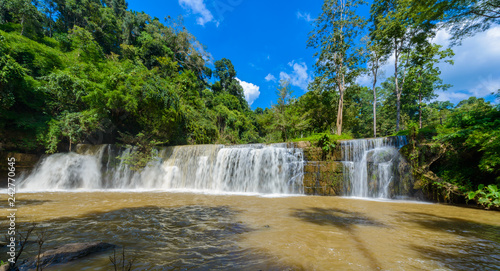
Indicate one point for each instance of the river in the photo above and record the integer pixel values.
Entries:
(184, 231)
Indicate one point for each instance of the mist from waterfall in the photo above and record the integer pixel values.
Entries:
(254, 168)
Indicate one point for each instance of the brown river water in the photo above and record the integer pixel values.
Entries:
(189, 231)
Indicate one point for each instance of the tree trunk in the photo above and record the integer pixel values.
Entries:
(340, 112)
(398, 94)
(22, 25)
(420, 109)
(375, 103)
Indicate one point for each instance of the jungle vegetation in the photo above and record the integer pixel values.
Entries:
(94, 71)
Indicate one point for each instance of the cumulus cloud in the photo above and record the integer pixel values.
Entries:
(486, 86)
(299, 77)
(198, 7)
(251, 91)
(475, 72)
(305, 16)
(270, 77)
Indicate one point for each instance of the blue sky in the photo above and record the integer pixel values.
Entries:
(266, 42)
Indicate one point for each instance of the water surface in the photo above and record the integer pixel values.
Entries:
(179, 231)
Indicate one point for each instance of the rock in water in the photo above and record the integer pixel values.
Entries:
(65, 253)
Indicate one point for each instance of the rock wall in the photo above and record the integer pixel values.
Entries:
(323, 172)
(24, 163)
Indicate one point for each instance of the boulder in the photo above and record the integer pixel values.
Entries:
(66, 253)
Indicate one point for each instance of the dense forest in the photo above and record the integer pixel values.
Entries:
(96, 72)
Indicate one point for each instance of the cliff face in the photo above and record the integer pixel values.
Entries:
(323, 171)
(23, 163)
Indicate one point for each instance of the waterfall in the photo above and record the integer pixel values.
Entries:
(373, 168)
(255, 168)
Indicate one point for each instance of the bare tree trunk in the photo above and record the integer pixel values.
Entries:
(375, 100)
(22, 25)
(340, 112)
(420, 109)
(398, 94)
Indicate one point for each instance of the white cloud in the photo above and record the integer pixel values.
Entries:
(198, 7)
(251, 91)
(451, 96)
(364, 80)
(475, 72)
(485, 86)
(270, 77)
(299, 77)
(306, 16)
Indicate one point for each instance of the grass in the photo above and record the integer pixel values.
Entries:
(314, 138)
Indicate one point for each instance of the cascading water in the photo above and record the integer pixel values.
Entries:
(373, 168)
(257, 168)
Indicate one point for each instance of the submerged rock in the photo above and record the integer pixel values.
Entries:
(65, 253)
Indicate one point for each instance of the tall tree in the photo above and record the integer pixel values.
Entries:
(423, 74)
(377, 56)
(400, 25)
(337, 33)
(224, 70)
(23, 12)
(282, 122)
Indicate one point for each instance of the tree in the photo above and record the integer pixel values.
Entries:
(22, 12)
(11, 77)
(282, 121)
(73, 126)
(224, 70)
(423, 75)
(377, 56)
(336, 34)
(49, 8)
(465, 18)
(400, 25)
(443, 108)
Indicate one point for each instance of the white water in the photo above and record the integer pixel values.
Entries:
(371, 166)
(268, 169)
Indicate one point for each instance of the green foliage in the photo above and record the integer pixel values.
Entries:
(83, 41)
(463, 152)
(72, 71)
(327, 145)
(340, 56)
(74, 126)
(286, 119)
(487, 196)
(315, 138)
(473, 132)
(142, 150)
(94, 69)
(465, 18)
